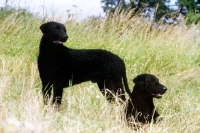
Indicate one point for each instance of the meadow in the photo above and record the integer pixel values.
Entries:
(172, 53)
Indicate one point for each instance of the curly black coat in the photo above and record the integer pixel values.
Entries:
(59, 64)
(140, 106)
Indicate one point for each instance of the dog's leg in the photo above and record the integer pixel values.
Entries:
(101, 85)
(116, 87)
(144, 110)
(121, 93)
(155, 115)
(110, 87)
(57, 94)
(104, 90)
(46, 92)
(148, 115)
(143, 117)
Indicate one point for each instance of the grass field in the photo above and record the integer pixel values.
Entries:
(172, 53)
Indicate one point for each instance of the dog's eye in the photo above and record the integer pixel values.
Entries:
(56, 28)
(154, 81)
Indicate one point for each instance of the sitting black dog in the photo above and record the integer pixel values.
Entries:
(58, 65)
(140, 106)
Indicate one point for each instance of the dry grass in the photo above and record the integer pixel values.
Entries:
(172, 54)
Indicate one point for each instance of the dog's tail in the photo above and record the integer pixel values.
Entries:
(124, 77)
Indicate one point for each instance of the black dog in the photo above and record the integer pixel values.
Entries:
(58, 65)
(140, 107)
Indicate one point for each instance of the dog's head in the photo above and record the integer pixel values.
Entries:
(55, 32)
(150, 85)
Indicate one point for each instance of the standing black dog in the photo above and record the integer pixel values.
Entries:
(140, 107)
(58, 65)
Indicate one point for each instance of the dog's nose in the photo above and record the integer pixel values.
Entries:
(164, 88)
(65, 37)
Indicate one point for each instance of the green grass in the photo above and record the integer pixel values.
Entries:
(171, 53)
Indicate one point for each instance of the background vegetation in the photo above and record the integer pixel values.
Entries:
(170, 52)
(192, 15)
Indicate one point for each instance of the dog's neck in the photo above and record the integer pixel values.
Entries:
(140, 96)
(47, 45)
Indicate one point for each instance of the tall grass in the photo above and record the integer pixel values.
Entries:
(170, 52)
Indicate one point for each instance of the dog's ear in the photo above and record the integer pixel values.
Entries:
(44, 29)
(140, 79)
